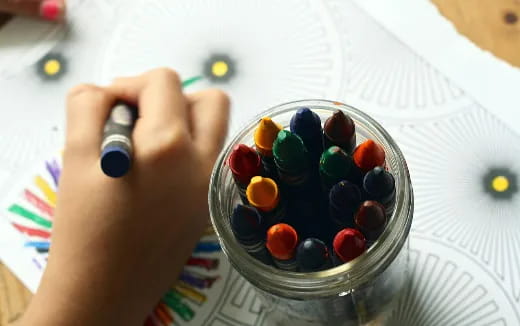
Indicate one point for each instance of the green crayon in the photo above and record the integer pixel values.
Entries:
(336, 165)
(291, 159)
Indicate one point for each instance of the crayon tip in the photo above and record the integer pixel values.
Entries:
(368, 155)
(349, 244)
(370, 217)
(306, 124)
(345, 195)
(340, 130)
(265, 134)
(289, 147)
(335, 162)
(379, 183)
(115, 161)
(244, 163)
(312, 255)
(246, 222)
(263, 194)
(281, 241)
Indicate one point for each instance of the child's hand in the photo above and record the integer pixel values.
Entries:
(46, 9)
(118, 244)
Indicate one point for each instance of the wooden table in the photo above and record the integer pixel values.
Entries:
(493, 24)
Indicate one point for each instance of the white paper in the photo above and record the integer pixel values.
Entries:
(492, 82)
(295, 50)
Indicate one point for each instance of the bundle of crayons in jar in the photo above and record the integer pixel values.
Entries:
(312, 199)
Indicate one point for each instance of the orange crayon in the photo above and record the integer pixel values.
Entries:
(368, 155)
(282, 241)
(263, 194)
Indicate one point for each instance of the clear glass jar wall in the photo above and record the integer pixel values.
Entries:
(359, 292)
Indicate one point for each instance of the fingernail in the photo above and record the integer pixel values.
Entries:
(51, 9)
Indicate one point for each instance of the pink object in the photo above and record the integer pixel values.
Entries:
(51, 9)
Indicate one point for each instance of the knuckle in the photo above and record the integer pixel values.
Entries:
(219, 97)
(167, 75)
(172, 141)
(86, 92)
(79, 89)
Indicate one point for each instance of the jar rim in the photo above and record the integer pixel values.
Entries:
(341, 278)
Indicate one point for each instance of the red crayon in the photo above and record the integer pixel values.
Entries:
(348, 244)
(244, 163)
(371, 220)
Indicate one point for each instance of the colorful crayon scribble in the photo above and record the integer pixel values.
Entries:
(32, 216)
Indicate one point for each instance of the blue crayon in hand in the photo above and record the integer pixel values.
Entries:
(249, 230)
(116, 147)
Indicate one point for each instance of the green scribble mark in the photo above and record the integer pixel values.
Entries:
(19, 210)
(191, 80)
(174, 302)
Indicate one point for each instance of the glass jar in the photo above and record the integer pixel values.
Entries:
(359, 292)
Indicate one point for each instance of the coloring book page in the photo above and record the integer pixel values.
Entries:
(464, 245)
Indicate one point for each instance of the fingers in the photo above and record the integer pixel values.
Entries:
(47, 9)
(88, 108)
(209, 120)
(158, 94)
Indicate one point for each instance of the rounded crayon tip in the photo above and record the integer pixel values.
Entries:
(265, 134)
(289, 147)
(312, 255)
(115, 161)
(379, 183)
(306, 124)
(340, 130)
(335, 162)
(244, 163)
(281, 241)
(370, 217)
(345, 195)
(349, 244)
(368, 155)
(262, 193)
(246, 222)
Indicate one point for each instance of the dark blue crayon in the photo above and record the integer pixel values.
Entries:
(116, 146)
(307, 125)
(344, 200)
(249, 230)
(313, 255)
(379, 185)
(207, 247)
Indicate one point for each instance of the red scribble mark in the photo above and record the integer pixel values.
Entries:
(39, 203)
(31, 231)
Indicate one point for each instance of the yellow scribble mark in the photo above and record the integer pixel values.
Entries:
(46, 189)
